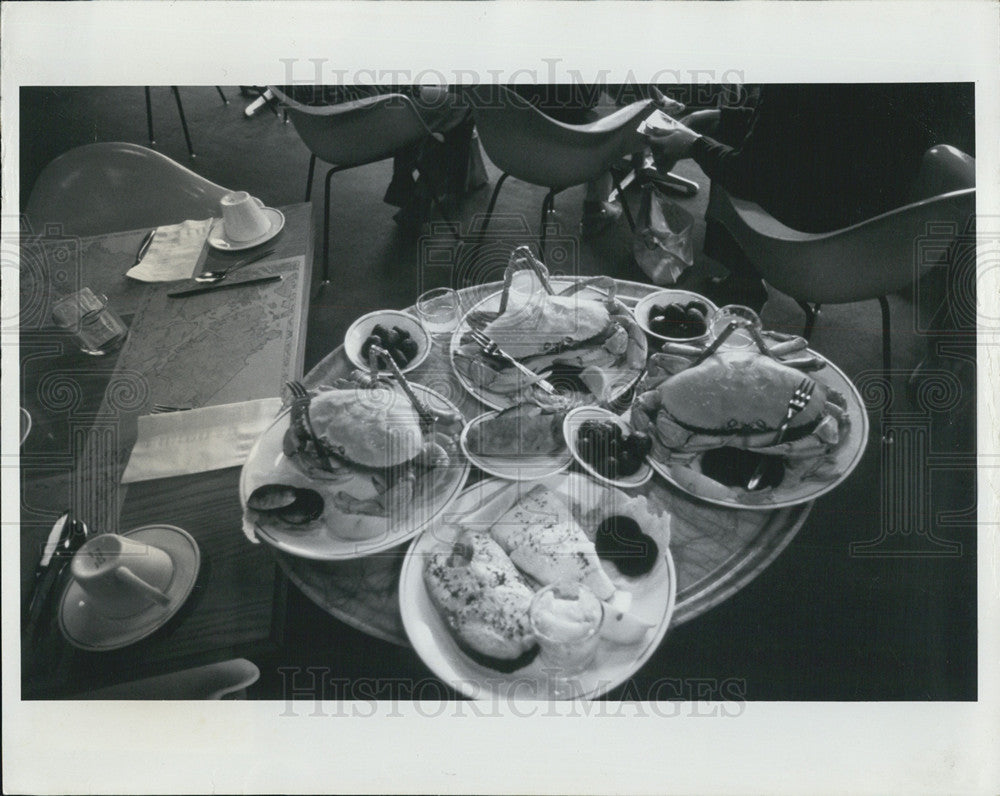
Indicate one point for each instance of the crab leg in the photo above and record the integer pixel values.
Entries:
(427, 417)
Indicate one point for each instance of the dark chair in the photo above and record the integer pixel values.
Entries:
(352, 134)
(526, 144)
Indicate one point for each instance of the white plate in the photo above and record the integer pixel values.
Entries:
(514, 468)
(361, 329)
(627, 376)
(653, 598)
(687, 476)
(571, 425)
(671, 296)
(218, 239)
(267, 464)
(87, 628)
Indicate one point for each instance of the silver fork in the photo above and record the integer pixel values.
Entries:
(798, 402)
(490, 348)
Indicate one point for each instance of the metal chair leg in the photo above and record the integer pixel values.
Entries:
(621, 197)
(309, 179)
(548, 204)
(887, 431)
(812, 312)
(184, 126)
(219, 89)
(326, 224)
(493, 202)
(149, 118)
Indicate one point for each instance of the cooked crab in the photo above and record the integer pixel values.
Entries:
(552, 332)
(735, 398)
(367, 425)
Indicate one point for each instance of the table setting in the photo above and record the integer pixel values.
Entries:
(430, 497)
(132, 420)
(526, 481)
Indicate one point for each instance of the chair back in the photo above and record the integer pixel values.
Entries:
(358, 132)
(112, 187)
(530, 146)
(867, 260)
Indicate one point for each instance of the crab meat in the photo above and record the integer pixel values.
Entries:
(735, 398)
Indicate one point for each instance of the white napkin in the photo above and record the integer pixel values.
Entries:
(198, 440)
(174, 252)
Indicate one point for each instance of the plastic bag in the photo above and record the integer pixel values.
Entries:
(663, 244)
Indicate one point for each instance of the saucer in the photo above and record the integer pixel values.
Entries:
(88, 629)
(218, 239)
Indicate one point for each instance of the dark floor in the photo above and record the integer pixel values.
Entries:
(818, 624)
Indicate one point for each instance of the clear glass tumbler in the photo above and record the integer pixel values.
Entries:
(86, 315)
(438, 310)
(566, 619)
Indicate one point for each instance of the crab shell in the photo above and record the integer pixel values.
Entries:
(738, 398)
(372, 428)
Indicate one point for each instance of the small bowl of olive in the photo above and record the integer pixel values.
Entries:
(399, 333)
(605, 446)
(675, 316)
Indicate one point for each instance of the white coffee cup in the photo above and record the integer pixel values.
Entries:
(243, 216)
(122, 576)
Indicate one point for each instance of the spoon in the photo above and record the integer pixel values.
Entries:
(218, 276)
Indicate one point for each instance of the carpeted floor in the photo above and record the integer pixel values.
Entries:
(909, 646)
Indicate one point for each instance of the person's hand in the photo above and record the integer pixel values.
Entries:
(671, 145)
(704, 122)
(671, 107)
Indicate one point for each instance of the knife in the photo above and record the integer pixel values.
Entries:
(146, 242)
(261, 280)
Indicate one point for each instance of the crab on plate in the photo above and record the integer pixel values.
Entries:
(366, 431)
(592, 341)
(739, 398)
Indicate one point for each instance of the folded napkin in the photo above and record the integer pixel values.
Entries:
(174, 252)
(198, 440)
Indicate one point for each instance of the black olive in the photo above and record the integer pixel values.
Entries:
(403, 334)
(399, 357)
(698, 306)
(628, 464)
(410, 348)
(639, 444)
(381, 333)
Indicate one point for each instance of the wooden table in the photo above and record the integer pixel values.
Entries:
(231, 346)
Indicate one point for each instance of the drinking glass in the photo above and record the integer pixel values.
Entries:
(438, 310)
(566, 619)
(747, 323)
(87, 316)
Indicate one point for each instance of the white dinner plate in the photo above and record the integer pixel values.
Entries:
(652, 599)
(622, 376)
(687, 475)
(514, 468)
(318, 540)
(218, 239)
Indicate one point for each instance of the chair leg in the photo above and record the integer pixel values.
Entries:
(149, 118)
(493, 202)
(184, 126)
(326, 224)
(219, 89)
(435, 192)
(548, 204)
(309, 179)
(812, 312)
(621, 197)
(887, 431)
